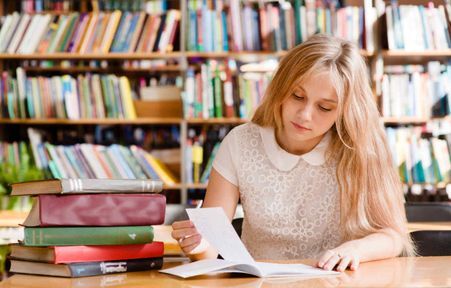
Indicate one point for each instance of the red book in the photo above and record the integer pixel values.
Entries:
(97, 210)
(73, 254)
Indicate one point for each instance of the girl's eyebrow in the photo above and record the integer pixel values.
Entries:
(322, 99)
(329, 100)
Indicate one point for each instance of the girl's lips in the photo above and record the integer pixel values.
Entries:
(300, 127)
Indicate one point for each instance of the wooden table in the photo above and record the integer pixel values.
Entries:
(396, 272)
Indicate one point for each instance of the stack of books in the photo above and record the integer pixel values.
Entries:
(87, 227)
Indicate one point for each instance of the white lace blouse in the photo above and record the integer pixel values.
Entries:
(290, 202)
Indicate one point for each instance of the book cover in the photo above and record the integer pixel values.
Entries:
(70, 236)
(85, 268)
(68, 186)
(77, 254)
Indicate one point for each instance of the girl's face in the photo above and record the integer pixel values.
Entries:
(308, 113)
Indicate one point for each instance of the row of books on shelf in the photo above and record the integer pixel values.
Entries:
(66, 97)
(415, 91)
(96, 32)
(270, 26)
(420, 159)
(149, 6)
(38, 6)
(201, 148)
(89, 160)
(411, 27)
(215, 91)
(87, 227)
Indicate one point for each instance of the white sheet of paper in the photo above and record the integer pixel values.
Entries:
(213, 224)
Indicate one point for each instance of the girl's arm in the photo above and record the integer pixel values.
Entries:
(220, 193)
(384, 244)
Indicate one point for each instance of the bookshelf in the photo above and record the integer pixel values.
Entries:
(184, 60)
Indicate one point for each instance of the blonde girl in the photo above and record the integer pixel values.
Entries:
(312, 169)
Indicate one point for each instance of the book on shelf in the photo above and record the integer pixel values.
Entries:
(77, 186)
(419, 159)
(97, 210)
(93, 32)
(200, 151)
(417, 91)
(76, 254)
(86, 268)
(72, 236)
(214, 92)
(271, 26)
(416, 27)
(37, 6)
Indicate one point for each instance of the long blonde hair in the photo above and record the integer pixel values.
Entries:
(370, 188)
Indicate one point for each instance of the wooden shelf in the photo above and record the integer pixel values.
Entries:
(12, 218)
(251, 55)
(89, 56)
(243, 54)
(138, 121)
(169, 68)
(196, 186)
(213, 121)
(420, 54)
(405, 120)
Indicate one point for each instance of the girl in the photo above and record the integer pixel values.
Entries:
(312, 169)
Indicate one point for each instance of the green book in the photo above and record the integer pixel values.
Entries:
(67, 236)
(218, 94)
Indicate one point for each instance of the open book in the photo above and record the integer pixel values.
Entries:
(214, 226)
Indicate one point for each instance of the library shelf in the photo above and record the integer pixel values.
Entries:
(9, 218)
(247, 54)
(70, 70)
(405, 120)
(196, 186)
(107, 121)
(424, 54)
(89, 56)
(212, 121)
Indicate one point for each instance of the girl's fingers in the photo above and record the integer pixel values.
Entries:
(182, 224)
(185, 232)
(194, 239)
(325, 257)
(189, 248)
(344, 263)
(355, 263)
(332, 262)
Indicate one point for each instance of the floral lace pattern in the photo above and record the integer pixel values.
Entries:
(287, 214)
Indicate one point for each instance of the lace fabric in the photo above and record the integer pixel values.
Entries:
(288, 214)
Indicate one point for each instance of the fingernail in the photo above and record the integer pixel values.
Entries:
(320, 264)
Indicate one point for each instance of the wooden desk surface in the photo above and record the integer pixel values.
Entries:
(396, 272)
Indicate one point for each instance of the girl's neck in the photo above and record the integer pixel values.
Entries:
(295, 147)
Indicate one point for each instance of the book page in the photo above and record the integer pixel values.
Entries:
(203, 267)
(213, 225)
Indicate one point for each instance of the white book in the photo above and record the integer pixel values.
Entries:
(215, 227)
(19, 34)
(36, 34)
(10, 32)
(5, 27)
(65, 162)
(390, 31)
(93, 161)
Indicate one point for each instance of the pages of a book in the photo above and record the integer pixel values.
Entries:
(215, 227)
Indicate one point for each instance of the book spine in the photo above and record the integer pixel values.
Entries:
(74, 254)
(69, 236)
(111, 267)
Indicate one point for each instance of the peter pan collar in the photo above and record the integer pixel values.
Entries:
(286, 161)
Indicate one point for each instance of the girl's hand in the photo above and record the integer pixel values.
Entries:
(341, 257)
(186, 234)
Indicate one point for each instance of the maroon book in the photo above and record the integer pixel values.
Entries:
(97, 210)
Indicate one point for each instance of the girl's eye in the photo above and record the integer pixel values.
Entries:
(297, 97)
(324, 109)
